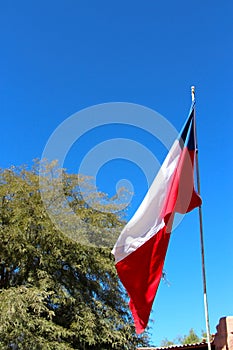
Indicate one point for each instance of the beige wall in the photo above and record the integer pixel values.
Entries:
(224, 337)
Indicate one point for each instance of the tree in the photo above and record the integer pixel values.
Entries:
(56, 293)
(191, 338)
(166, 343)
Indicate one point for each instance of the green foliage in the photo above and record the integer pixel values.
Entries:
(191, 338)
(56, 293)
(165, 343)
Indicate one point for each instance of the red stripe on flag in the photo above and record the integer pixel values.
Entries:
(140, 273)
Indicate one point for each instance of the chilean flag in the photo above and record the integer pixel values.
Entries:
(142, 245)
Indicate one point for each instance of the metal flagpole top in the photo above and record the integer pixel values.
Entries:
(193, 93)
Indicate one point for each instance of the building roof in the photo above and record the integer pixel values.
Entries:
(202, 346)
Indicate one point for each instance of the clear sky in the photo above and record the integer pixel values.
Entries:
(58, 57)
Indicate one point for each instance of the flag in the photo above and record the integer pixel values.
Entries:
(142, 245)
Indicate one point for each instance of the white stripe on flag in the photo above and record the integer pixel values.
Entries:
(147, 220)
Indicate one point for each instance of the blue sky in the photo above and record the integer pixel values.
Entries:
(59, 57)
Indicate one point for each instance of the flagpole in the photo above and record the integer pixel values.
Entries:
(201, 236)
